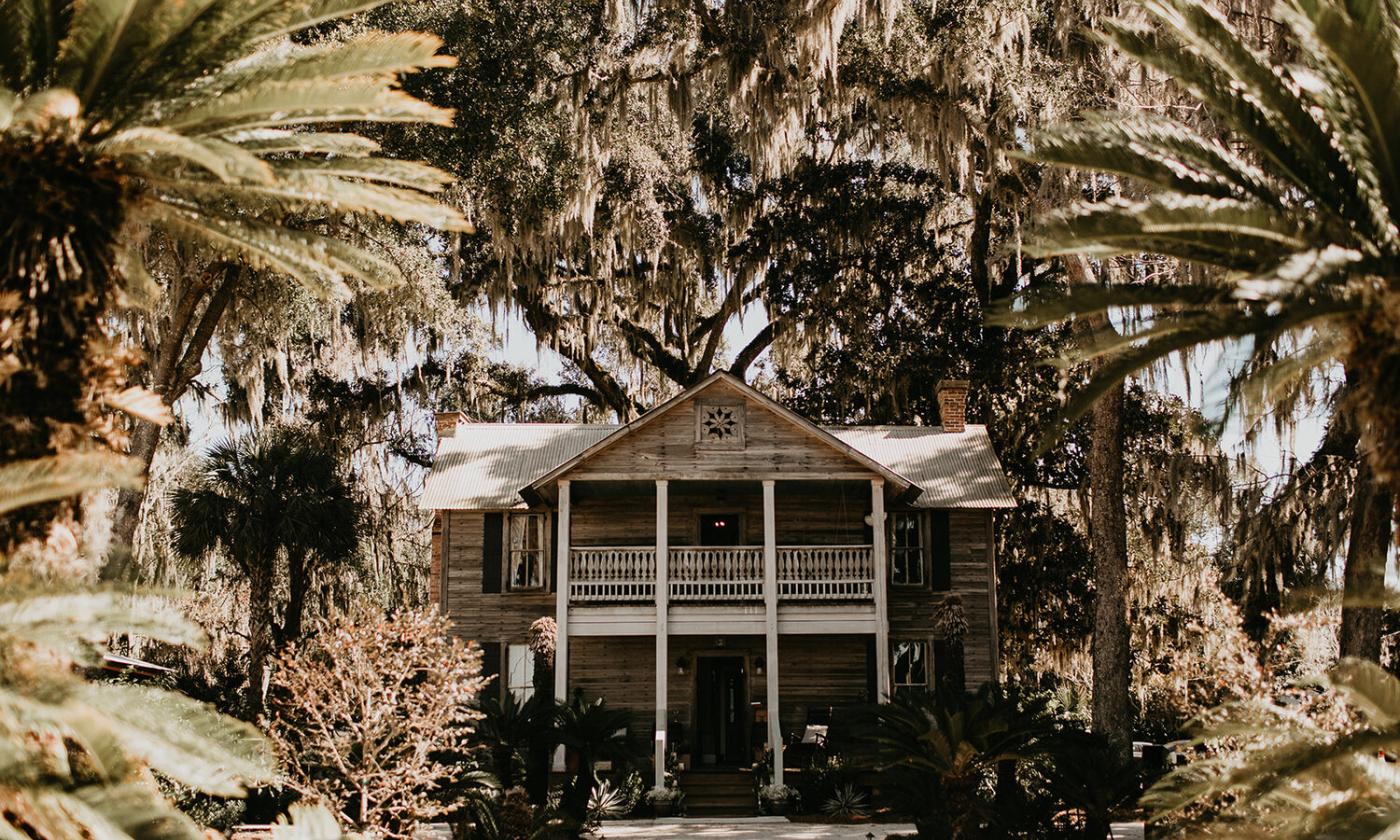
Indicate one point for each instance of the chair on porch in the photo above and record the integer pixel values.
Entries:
(801, 746)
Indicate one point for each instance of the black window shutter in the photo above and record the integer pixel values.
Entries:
(870, 674)
(491, 559)
(942, 552)
(491, 662)
(554, 555)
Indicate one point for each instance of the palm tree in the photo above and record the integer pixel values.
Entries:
(270, 497)
(1284, 199)
(940, 753)
(590, 732)
(214, 123)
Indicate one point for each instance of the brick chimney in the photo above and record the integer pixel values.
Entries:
(447, 423)
(952, 404)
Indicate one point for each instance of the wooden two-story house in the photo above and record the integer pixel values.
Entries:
(721, 567)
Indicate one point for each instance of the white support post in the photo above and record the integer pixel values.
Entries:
(663, 593)
(882, 579)
(770, 609)
(561, 610)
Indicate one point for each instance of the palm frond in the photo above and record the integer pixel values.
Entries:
(32, 482)
(1222, 232)
(226, 161)
(183, 738)
(285, 142)
(77, 622)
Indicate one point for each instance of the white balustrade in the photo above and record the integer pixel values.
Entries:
(826, 572)
(613, 574)
(713, 573)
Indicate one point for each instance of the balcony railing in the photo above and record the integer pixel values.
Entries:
(621, 574)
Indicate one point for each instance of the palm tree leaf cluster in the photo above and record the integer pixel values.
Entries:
(220, 125)
(211, 113)
(1283, 197)
(1309, 766)
(71, 750)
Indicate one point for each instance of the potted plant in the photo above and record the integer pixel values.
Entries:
(777, 799)
(663, 800)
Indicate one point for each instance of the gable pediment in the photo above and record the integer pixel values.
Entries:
(724, 430)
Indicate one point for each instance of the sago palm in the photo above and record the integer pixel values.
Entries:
(1285, 190)
(216, 123)
(72, 752)
(1289, 771)
(270, 498)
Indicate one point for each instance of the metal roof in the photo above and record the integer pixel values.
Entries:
(483, 466)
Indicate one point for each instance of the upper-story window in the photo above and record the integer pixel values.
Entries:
(907, 550)
(719, 425)
(526, 557)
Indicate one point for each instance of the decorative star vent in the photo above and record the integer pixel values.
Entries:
(720, 425)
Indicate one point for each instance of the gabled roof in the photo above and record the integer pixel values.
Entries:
(898, 482)
(484, 466)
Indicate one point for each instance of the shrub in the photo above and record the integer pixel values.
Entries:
(847, 803)
(362, 715)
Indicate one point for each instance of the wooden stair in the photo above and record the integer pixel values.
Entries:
(719, 793)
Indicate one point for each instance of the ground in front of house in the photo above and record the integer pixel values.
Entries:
(779, 828)
(747, 828)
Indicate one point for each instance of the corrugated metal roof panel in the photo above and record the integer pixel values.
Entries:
(954, 470)
(484, 465)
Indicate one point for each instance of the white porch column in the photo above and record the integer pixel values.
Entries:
(663, 597)
(882, 578)
(561, 610)
(770, 609)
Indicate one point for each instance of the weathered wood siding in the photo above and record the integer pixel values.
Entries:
(973, 578)
(816, 673)
(807, 513)
(485, 617)
(773, 445)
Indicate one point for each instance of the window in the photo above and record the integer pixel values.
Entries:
(520, 676)
(907, 554)
(720, 425)
(526, 558)
(910, 665)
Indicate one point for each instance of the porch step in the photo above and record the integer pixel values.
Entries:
(718, 793)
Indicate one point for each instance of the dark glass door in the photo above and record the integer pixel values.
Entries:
(721, 706)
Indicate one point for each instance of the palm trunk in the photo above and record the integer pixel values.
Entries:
(1364, 577)
(297, 584)
(1112, 712)
(260, 619)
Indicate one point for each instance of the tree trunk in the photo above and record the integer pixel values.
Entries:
(298, 580)
(1112, 713)
(121, 555)
(260, 619)
(175, 363)
(1364, 577)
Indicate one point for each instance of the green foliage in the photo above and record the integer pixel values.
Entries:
(1292, 238)
(71, 751)
(1303, 765)
(590, 732)
(847, 803)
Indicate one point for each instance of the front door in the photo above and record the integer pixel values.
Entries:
(721, 707)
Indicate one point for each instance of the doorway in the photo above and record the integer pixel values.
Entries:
(720, 528)
(721, 711)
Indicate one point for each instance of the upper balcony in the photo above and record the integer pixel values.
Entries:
(721, 574)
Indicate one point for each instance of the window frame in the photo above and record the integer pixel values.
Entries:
(510, 552)
(895, 684)
(920, 529)
(736, 441)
